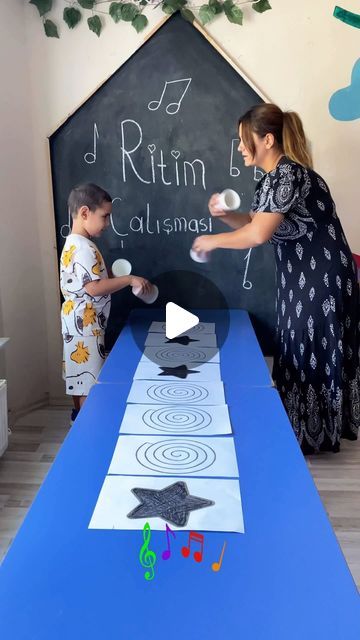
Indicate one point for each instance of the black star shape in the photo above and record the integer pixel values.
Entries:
(185, 340)
(172, 504)
(179, 372)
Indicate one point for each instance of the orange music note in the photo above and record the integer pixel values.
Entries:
(216, 566)
(167, 553)
(197, 537)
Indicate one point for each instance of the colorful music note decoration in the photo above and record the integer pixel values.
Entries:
(173, 107)
(196, 537)
(167, 553)
(216, 566)
(147, 558)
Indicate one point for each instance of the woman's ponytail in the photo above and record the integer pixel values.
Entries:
(294, 140)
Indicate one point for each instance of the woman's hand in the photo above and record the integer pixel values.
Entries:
(214, 207)
(145, 285)
(204, 243)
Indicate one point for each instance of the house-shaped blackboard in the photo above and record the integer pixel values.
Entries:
(161, 136)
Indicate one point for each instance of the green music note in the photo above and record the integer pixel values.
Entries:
(353, 19)
(147, 558)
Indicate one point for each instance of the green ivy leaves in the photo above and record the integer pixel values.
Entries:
(43, 6)
(87, 4)
(115, 11)
(261, 6)
(232, 12)
(50, 29)
(170, 6)
(95, 24)
(71, 16)
(131, 12)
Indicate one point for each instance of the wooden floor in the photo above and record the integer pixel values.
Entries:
(37, 437)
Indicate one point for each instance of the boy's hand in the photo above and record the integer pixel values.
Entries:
(145, 285)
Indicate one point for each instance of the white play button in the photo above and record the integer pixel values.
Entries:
(178, 320)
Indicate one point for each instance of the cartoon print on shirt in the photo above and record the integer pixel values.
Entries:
(81, 353)
(89, 315)
(81, 263)
(98, 267)
(66, 256)
(104, 314)
(75, 383)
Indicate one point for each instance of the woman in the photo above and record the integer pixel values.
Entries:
(316, 363)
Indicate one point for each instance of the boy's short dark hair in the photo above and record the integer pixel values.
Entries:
(88, 195)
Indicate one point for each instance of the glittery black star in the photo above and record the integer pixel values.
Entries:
(179, 372)
(185, 340)
(172, 504)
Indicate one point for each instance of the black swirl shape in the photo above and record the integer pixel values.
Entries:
(177, 419)
(176, 456)
(177, 393)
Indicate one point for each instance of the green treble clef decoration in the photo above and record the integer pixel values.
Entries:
(147, 558)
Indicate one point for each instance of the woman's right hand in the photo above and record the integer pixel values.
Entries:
(214, 207)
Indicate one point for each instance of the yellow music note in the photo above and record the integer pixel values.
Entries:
(216, 566)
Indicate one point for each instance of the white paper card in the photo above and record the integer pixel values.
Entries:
(202, 327)
(175, 456)
(116, 501)
(160, 339)
(173, 354)
(183, 391)
(181, 420)
(151, 371)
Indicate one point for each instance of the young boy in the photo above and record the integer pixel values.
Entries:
(87, 289)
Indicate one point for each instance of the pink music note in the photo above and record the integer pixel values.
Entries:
(172, 107)
(196, 537)
(216, 566)
(167, 553)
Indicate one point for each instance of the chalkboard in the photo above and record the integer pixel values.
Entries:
(161, 136)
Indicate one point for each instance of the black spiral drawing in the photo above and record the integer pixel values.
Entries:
(177, 419)
(180, 354)
(171, 392)
(176, 456)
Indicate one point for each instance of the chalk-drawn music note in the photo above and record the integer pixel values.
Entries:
(247, 284)
(196, 537)
(234, 171)
(167, 553)
(147, 558)
(216, 566)
(92, 154)
(172, 107)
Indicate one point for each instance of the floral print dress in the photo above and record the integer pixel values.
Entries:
(316, 360)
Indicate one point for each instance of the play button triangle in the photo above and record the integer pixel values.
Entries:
(178, 320)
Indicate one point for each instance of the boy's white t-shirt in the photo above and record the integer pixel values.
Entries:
(80, 263)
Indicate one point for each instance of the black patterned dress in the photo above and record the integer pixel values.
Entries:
(316, 363)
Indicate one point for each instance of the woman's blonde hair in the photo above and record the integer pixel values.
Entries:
(286, 127)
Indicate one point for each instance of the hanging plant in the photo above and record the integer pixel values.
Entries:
(133, 12)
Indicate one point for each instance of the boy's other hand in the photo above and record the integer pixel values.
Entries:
(137, 281)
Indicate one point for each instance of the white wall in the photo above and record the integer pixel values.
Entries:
(297, 55)
(24, 360)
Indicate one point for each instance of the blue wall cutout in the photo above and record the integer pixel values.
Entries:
(344, 104)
